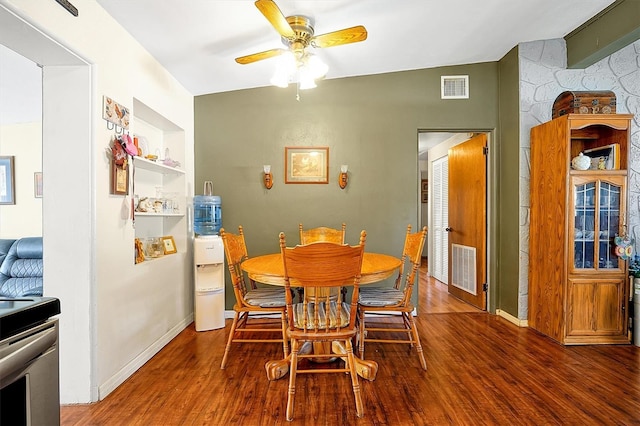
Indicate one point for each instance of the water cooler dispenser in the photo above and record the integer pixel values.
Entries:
(208, 254)
(207, 212)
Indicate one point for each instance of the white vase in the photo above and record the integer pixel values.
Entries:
(581, 162)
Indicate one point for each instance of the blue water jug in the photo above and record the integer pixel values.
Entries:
(207, 212)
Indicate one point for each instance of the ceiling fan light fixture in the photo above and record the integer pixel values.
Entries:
(297, 64)
(285, 68)
(303, 71)
(316, 66)
(280, 80)
(306, 81)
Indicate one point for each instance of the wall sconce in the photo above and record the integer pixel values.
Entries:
(268, 177)
(342, 181)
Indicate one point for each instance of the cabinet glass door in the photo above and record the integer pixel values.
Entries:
(597, 215)
(584, 226)
(609, 214)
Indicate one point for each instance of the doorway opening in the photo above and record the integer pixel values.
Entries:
(436, 179)
(67, 218)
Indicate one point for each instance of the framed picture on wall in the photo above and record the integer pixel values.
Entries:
(7, 180)
(425, 191)
(119, 179)
(306, 164)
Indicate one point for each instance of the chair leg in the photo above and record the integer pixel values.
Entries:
(361, 335)
(292, 378)
(416, 339)
(285, 341)
(354, 378)
(230, 340)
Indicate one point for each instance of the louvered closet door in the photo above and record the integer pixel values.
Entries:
(440, 214)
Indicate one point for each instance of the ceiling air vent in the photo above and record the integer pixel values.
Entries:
(454, 86)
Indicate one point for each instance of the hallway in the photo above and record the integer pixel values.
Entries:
(434, 297)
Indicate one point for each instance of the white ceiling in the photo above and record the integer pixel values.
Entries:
(198, 40)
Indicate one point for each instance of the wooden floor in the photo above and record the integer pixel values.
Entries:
(482, 370)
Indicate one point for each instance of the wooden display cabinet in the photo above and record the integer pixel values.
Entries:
(578, 287)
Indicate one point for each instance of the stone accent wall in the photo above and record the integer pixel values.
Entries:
(543, 76)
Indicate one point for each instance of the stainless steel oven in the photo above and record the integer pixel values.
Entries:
(29, 364)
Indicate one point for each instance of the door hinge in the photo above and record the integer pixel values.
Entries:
(485, 150)
(485, 287)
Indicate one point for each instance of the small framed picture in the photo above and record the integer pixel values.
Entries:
(169, 245)
(425, 190)
(7, 180)
(119, 179)
(306, 164)
(37, 184)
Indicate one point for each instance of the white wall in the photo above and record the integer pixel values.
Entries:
(20, 89)
(24, 142)
(21, 137)
(116, 315)
(543, 76)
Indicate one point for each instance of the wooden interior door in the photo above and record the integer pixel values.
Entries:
(468, 220)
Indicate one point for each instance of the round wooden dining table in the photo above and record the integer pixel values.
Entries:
(268, 269)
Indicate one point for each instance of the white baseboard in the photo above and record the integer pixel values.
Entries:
(110, 385)
(511, 318)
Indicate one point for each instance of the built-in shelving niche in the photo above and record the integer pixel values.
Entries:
(152, 179)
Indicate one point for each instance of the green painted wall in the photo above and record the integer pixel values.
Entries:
(369, 123)
(507, 263)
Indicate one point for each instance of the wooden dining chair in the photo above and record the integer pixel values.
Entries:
(322, 265)
(251, 301)
(322, 233)
(394, 300)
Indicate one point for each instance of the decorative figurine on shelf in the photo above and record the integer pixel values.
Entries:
(602, 163)
(581, 162)
(144, 205)
(167, 161)
(139, 251)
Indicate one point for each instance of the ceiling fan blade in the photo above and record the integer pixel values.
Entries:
(336, 38)
(273, 14)
(254, 57)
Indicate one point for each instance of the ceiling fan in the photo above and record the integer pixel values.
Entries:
(297, 34)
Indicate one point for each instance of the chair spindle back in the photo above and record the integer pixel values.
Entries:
(319, 266)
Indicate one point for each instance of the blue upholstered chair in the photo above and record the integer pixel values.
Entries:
(21, 269)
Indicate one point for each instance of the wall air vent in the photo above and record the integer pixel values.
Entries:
(463, 268)
(454, 87)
